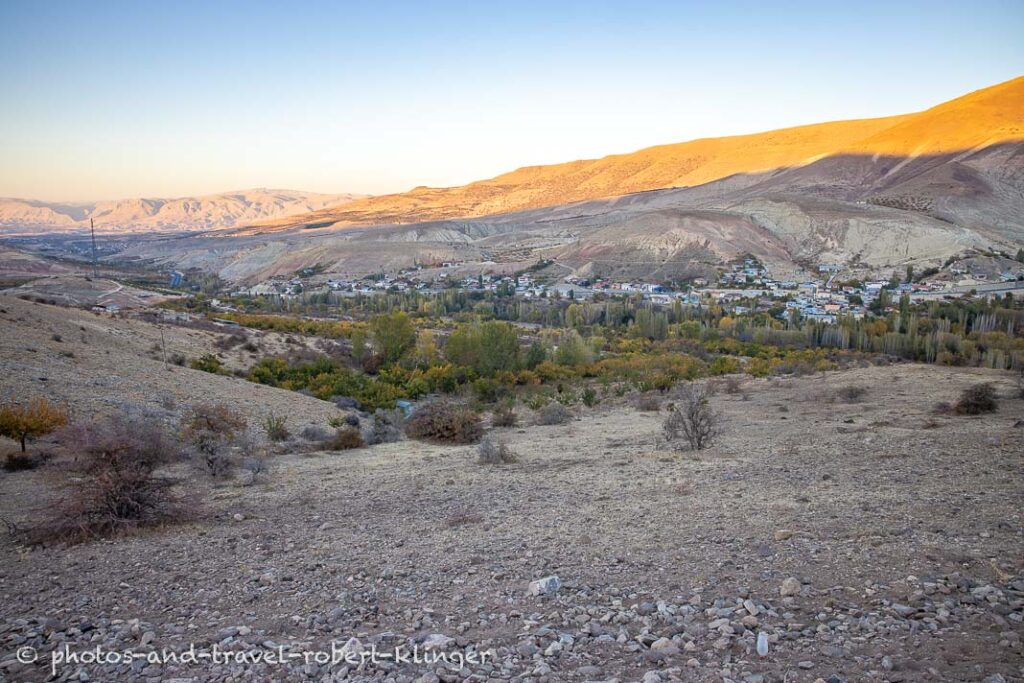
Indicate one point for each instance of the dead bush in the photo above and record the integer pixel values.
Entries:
(732, 385)
(692, 419)
(113, 484)
(492, 452)
(649, 403)
(16, 461)
(553, 414)
(852, 393)
(315, 433)
(214, 434)
(25, 422)
(442, 421)
(388, 426)
(978, 399)
(504, 416)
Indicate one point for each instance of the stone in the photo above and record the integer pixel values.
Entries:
(437, 641)
(549, 585)
(791, 586)
(783, 535)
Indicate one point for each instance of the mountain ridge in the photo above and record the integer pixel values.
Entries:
(983, 117)
(217, 211)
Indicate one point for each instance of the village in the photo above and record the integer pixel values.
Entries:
(822, 293)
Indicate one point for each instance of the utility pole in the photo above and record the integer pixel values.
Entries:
(92, 229)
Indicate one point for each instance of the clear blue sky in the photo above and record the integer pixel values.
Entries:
(145, 98)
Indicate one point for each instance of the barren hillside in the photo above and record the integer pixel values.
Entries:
(863, 543)
(985, 117)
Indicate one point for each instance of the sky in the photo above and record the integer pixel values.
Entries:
(107, 100)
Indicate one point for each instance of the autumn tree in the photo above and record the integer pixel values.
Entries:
(36, 419)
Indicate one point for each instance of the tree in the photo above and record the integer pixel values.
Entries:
(1020, 255)
(692, 419)
(393, 336)
(535, 355)
(487, 347)
(36, 419)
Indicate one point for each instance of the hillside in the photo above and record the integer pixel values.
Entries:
(225, 210)
(985, 117)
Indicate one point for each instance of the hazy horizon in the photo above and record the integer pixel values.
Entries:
(126, 100)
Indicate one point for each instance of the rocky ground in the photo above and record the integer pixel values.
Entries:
(864, 541)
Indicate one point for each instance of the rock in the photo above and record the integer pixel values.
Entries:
(783, 535)
(662, 644)
(589, 671)
(549, 585)
(751, 608)
(790, 586)
(238, 517)
(437, 641)
(762, 644)
(806, 664)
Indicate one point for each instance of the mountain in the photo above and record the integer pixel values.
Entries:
(209, 212)
(982, 118)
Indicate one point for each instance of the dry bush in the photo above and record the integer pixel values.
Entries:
(463, 518)
(442, 421)
(113, 485)
(692, 419)
(16, 461)
(852, 393)
(981, 398)
(315, 433)
(732, 384)
(388, 426)
(346, 438)
(553, 414)
(494, 453)
(504, 416)
(648, 403)
(214, 433)
(276, 428)
(37, 418)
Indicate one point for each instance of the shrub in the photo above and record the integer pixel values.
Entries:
(445, 422)
(504, 416)
(981, 398)
(38, 418)
(589, 397)
(852, 393)
(213, 430)
(553, 414)
(208, 363)
(316, 433)
(494, 453)
(345, 439)
(388, 426)
(692, 418)
(732, 385)
(274, 426)
(18, 462)
(115, 486)
(648, 403)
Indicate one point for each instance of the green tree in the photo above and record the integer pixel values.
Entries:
(486, 347)
(535, 355)
(393, 336)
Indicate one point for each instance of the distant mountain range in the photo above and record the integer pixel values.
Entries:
(208, 212)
